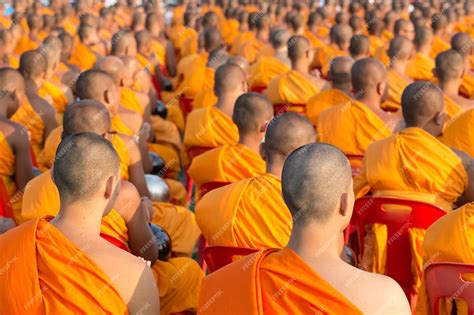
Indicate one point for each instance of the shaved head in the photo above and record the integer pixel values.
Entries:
(285, 134)
(462, 43)
(51, 49)
(251, 111)
(227, 78)
(341, 35)
(279, 38)
(217, 57)
(33, 64)
(404, 28)
(366, 74)
(449, 65)
(113, 66)
(314, 178)
(212, 39)
(240, 62)
(340, 70)
(400, 48)
(143, 38)
(93, 84)
(421, 101)
(423, 37)
(10, 80)
(83, 164)
(359, 46)
(123, 43)
(86, 116)
(298, 47)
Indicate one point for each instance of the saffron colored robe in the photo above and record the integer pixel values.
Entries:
(324, 100)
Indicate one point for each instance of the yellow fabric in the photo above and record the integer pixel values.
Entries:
(252, 284)
(438, 46)
(14, 61)
(45, 278)
(230, 30)
(249, 213)
(190, 45)
(314, 40)
(265, 69)
(129, 100)
(381, 54)
(396, 85)
(239, 40)
(179, 37)
(159, 51)
(205, 98)
(420, 67)
(459, 133)
(324, 100)
(451, 108)
(180, 224)
(119, 126)
(55, 94)
(145, 63)
(450, 239)
(25, 43)
(28, 118)
(351, 127)
(325, 55)
(250, 49)
(375, 42)
(467, 85)
(7, 173)
(194, 76)
(291, 87)
(178, 194)
(83, 57)
(387, 35)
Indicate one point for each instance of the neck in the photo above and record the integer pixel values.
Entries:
(31, 86)
(370, 101)
(226, 105)
(274, 168)
(450, 88)
(346, 88)
(424, 50)
(399, 65)
(300, 66)
(250, 141)
(78, 221)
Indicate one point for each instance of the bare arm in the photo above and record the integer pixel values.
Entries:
(136, 170)
(23, 164)
(145, 298)
(170, 60)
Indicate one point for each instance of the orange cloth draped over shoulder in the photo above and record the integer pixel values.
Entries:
(324, 56)
(265, 69)
(208, 127)
(191, 81)
(313, 39)
(25, 43)
(239, 40)
(42, 278)
(375, 42)
(291, 87)
(129, 100)
(411, 164)
(324, 100)
(459, 133)
(206, 97)
(190, 45)
(31, 120)
(250, 49)
(249, 213)
(7, 173)
(83, 57)
(451, 108)
(227, 163)
(396, 85)
(250, 286)
(381, 54)
(438, 46)
(420, 67)
(351, 127)
(450, 239)
(56, 95)
(179, 38)
(467, 85)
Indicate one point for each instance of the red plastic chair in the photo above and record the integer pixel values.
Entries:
(6, 210)
(370, 210)
(279, 109)
(186, 105)
(217, 257)
(444, 280)
(356, 161)
(258, 89)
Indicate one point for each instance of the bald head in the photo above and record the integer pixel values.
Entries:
(404, 28)
(359, 47)
(462, 43)
(366, 74)
(314, 179)
(279, 38)
(113, 66)
(285, 134)
(240, 62)
(83, 164)
(130, 63)
(12, 90)
(210, 19)
(51, 49)
(400, 48)
(212, 39)
(123, 43)
(423, 37)
(298, 48)
(228, 78)
(251, 113)
(86, 116)
(93, 84)
(449, 66)
(217, 57)
(33, 64)
(340, 35)
(340, 70)
(421, 102)
(143, 39)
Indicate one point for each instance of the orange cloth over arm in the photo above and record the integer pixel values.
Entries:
(83, 57)
(265, 69)
(451, 108)
(420, 68)
(459, 133)
(31, 120)
(439, 45)
(396, 85)
(7, 173)
(129, 100)
(252, 285)
(57, 96)
(324, 100)
(25, 43)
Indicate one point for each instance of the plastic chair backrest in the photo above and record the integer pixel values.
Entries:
(370, 210)
(444, 280)
(356, 162)
(217, 257)
(279, 109)
(6, 210)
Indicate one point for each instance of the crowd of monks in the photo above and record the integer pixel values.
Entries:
(265, 121)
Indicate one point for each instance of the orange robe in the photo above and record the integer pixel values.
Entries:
(206, 97)
(291, 87)
(83, 57)
(324, 56)
(190, 45)
(411, 164)
(375, 42)
(250, 49)
(42, 277)
(351, 127)
(324, 100)
(420, 67)
(230, 30)
(459, 133)
(450, 239)
(266, 69)
(31, 120)
(25, 43)
(467, 85)
(396, 85)
(314, 40)
(381, 54)
(129, 100)
(438, 46)
(249, 213)
(451, 108)
(7, 173)
(55, 96)
(251, 284)
(208, 127)
(239, 40)
(191, 81)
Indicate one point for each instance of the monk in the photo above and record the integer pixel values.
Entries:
(421, 66)
(307, 275)
(357, 24)
(463, 44)
(82, 56)
(297, 85)
(352, 127)
(359, 47)
(253, 209)
(35, 114)
(399, 51)
(212, 127)
(449, 70)
(267, 68)
(7, 56)
(257, 45)
(124, 44)
(30, 41)
(16, 167)
(311, 32)
(230, 163)
(427, 165)
(448, 240)
(340, 37)
(439, 25)
(112, 279)
(340, 92)
(375, 28)
(402, 27)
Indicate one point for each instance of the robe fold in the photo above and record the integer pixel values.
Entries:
(25, 43)
(55, 94)
(420, 67)
(438, 46)
(396, 85)
(31, 120)
(459, 133)
(324, 100)
(7, 173)
(83, 57)
(451, 108)
(265, 69)
(129, 100)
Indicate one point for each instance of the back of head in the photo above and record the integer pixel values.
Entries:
(314, 179)
(449, 66)
(400, 48)
(86, 116)
(423, 37)
(439, 22)
(462, 43)
(359, 46)
(340, 70)
(33, 64)
(227, 78)
(298, 47)
(366, 74)
(376, 27)
(251, 111)
(35, 22)
(296, 22)
(285, 134)
(10, 80)
(83, 164)
(252, 20)
(113, 66)
(356, 23)
(421, 101)
(279, 38)
(51, 49)
(210, 19)
(402, 26)
(92, 84)
(217, 57)
(240, 62)
(340, 35)
(212, 39)
(122, 43)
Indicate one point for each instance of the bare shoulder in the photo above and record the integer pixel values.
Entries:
(41, 106)
(13, 132)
